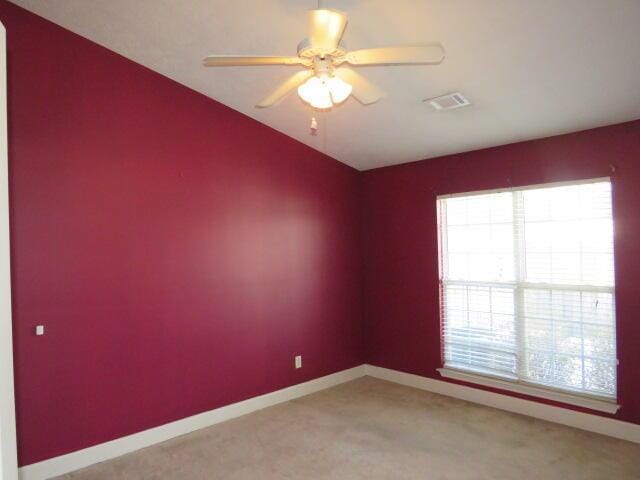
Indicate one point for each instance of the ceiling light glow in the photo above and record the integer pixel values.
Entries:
(324, 92)
(340, 90)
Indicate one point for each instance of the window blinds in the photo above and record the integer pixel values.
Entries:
(527, 286)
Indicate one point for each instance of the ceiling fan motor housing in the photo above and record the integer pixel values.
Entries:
(322, 67)
(306, 50)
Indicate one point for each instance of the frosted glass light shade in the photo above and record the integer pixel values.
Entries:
(340, 90)
(323, 93)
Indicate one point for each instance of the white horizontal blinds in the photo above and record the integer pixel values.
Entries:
(569, 234)
(570, 340)
(568, 302)
(527, 286)
(479, 232)
(478, 276)
(479, 329)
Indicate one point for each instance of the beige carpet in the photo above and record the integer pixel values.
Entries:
(370, 429)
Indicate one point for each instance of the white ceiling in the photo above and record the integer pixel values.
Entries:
(531, 68)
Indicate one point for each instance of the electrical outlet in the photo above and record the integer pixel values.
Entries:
(298, 361)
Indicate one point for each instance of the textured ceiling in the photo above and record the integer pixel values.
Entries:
(531, 68)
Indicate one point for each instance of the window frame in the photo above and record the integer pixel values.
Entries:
(515, 384)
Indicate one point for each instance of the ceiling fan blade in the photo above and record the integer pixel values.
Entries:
(284, 88)
(411, 54)
(326, 28)
(248, 60)
(363, 90)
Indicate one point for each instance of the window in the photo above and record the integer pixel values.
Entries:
(527, 290)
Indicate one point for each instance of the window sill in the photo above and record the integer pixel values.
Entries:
(525, 389)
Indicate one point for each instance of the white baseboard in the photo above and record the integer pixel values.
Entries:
(105, 451)
(115, 448)
(564, 416)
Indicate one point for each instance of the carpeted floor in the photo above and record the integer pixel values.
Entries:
(371, 429)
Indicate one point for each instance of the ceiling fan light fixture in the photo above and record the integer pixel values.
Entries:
(340, 90)
(316, 93)
(323, 93)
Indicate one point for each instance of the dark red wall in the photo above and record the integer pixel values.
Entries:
(402, 326)
(178, 253)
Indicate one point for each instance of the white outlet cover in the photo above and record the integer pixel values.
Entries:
(40, 330)
(298, 362)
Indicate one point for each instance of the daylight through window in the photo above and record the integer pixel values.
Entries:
(527, 286)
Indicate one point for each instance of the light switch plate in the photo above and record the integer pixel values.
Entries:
(40, 330)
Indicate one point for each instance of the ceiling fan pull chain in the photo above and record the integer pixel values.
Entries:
(324, 131)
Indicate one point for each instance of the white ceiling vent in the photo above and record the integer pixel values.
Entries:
(449, 101)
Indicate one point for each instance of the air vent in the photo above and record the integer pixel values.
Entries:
(449, 101)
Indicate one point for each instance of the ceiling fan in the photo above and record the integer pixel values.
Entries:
(326, 79)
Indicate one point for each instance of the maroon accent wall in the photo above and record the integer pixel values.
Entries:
(402, 326)
(178, 253)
